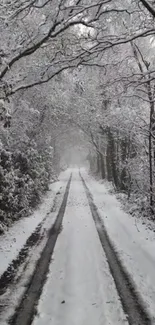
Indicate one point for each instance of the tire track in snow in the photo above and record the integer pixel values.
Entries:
(10, 273)
(8, 276)
(132, 303)
(25, 311)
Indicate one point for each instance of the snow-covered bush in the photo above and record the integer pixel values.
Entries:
(26, 165)
(24, 177)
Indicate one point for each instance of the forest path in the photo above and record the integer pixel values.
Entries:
(80, 289)
(86, 281)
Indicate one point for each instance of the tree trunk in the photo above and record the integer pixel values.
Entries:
(150, 157)
(98, 163)
(151, 98)
(108, 160)
(102, 164)
(112, 160)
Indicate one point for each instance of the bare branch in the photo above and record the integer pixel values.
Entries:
(148, 7)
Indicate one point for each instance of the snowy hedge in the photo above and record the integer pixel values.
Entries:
(24, 177)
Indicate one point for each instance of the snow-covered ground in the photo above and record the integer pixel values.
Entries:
(15, 238)
(134, 242)
(80, 289)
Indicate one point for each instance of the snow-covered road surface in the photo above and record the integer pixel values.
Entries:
(133, 241)
(83, 275)
(80, 289)
(15, 238)
(21, 247)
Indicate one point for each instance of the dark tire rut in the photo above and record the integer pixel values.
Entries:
(27, 308)
(9, 275)
(132, 303)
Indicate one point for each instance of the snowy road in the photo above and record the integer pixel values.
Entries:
(87, 283)
(79, 289)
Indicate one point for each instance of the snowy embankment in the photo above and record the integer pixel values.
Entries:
(134, 242)
(14, 239)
